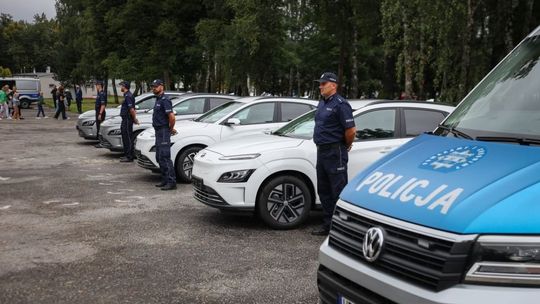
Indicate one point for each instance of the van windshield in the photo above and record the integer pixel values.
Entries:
(507, 102)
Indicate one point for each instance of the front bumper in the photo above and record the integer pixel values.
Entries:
(86, 132)
(342, 274)
(145, 158)
(238, 196)
(112, 142)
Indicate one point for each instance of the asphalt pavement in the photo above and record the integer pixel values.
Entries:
(78, 226)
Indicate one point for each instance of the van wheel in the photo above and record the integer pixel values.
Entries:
(284, 202)
(25, 104)
(184, 163)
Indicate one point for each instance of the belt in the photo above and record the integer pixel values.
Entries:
(329, 146)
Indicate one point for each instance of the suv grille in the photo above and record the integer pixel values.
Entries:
(437, 264)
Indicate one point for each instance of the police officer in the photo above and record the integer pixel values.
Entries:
(334, 134)
(101, 104)
(129, 116)
(163, 121)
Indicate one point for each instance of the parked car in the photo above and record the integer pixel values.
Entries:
(185, 107)
(274, 175)
(453, 216)
(237, 118)
(27, 87)
(86, 123)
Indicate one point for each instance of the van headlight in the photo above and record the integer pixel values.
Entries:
(238, 176)
(509, 260)
(240, 156)
(115, 132)
(88, 123)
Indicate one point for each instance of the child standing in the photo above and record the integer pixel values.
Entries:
(40, 105)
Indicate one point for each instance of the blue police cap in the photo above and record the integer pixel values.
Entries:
(157, 82)
(125, 84)
(328, 77)
(100, 82)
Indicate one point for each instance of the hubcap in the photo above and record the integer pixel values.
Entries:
(187, 164)
(286, 203)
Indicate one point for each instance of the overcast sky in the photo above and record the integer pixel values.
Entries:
(26, 9)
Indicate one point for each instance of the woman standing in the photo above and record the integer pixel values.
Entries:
(16, 104)
(61, 106)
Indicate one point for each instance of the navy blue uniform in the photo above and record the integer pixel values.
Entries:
(101, 99)
(78, 99)
(126, 128)
(333, 117)
(160, 122)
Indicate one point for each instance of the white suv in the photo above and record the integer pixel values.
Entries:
(274, 174)
(242, 117)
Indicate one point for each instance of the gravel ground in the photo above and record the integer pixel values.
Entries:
(77, 226)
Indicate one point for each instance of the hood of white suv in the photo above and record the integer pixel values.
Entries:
(259, 143)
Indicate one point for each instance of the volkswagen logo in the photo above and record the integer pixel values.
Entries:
(373, 243)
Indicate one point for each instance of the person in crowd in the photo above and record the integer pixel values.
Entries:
(101, 104)
(129, 117)
(16, 104)
(4, 108)
(78, 98)
(69, 98)
(40, 106)
(10, 102)
(334, 134)
(53, 93)
(61, 103)
(163, 121)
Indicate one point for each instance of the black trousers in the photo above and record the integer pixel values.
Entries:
(98, 122)
(163, 155)
(79, 106)
(126, 128)
(331, 177)
(61, 108)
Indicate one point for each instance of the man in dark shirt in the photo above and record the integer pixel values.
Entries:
(78, 98)
(101, 104)
(129, 116)
(163, 121)
(334, 134)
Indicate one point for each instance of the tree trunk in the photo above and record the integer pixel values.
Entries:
(341, 67)
(167, 80)
(291, 81)
(115, 92)
(138, 88)
(407, 56)
(466, 55)
(355, 90)
(527, 19)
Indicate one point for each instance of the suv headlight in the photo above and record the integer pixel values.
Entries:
(115, 132)
(238, 176)
(510, 260)
(240, 157)
(88, 123)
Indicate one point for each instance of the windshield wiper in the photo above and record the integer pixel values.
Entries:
(455, 132)
(519, 140)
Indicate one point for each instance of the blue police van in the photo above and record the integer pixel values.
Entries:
(28, 88)
(452, 216)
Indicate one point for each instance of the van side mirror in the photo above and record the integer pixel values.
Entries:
(232, 122)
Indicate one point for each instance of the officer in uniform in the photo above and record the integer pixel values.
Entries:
(101, 104)
(129, 117)
(334, 134)
(163, 121)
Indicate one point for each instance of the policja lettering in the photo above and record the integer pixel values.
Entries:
(395, 187)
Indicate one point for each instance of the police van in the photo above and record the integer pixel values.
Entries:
(28, 88)
(452, 216)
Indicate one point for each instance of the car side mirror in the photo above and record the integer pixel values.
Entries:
(137, 107)
(174, 112)
(232, 122)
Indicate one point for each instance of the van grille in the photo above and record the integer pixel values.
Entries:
(437, 264)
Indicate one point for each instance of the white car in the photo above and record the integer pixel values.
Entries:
(274, 175)
(86, 122)
(241, 117)
(185, 107)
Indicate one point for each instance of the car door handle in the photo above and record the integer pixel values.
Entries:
(386, 150)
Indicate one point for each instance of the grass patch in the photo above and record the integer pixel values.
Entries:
(87, 104)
